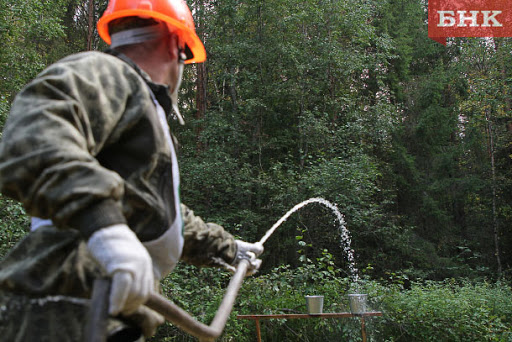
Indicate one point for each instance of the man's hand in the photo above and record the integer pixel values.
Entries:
(125, 259)
(250, 252)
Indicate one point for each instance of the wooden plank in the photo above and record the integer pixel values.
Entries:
(299, 316)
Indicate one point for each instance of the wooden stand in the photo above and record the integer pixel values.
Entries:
(257, 318)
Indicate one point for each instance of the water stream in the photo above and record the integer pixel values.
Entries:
(344, 233)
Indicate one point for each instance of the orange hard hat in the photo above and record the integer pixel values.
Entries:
(175, 13)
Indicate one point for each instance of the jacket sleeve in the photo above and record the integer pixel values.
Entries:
(206, 244)
(57, 125)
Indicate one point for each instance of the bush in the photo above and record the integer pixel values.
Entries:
(281, 291)
(430, 311)
(446, 311)
(14, 224)
(450, 310)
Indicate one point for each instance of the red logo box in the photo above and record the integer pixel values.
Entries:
(469, 18)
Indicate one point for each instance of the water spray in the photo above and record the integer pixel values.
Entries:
(345, 235)
(98, 314)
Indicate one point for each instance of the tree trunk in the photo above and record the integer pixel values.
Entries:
(200, 96)
(201, 79)
(90, 24)
(493, 187)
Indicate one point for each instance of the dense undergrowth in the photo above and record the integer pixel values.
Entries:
(450, 310)
(456, 309)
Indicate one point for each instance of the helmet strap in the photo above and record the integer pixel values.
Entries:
(138, 35)
(174, 95)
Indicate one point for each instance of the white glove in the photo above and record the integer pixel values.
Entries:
(125, 259)
(250, 252)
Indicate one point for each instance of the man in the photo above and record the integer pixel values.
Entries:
(88, 152)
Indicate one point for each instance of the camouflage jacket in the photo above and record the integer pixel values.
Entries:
(83, 147)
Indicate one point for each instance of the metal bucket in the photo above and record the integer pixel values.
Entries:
(357, 303)
(314, 304)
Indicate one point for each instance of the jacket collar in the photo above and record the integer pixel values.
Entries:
(160, 91)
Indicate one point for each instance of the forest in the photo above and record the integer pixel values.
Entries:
(345, 100)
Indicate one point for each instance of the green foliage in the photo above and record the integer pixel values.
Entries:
(14, 224)
(281, 291)
(27, 30)
(451, 310)
(345, 100)
(289, 117)
(4, 111)
(360, 108)
(446, 311)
